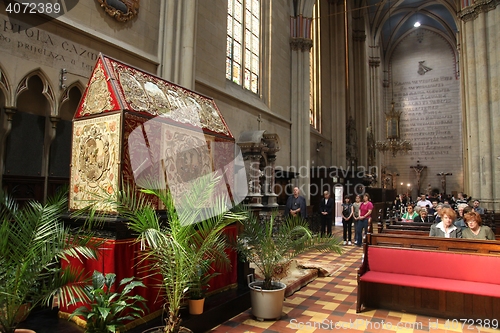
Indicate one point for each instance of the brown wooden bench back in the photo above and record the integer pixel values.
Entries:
(409, 227)
(435, 243)
(406, 232)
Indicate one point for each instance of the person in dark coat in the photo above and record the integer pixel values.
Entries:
(326, 211)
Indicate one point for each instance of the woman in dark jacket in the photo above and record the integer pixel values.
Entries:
(446, 228)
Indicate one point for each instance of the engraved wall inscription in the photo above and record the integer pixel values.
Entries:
(19, 39)
(431, 112)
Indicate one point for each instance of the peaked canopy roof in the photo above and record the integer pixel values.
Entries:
(115, 86)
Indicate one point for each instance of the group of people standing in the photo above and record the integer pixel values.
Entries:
(357, 213)
(447, 223)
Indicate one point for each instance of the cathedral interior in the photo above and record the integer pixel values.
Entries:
(385, 97)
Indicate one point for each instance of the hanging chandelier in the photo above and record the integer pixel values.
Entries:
(393, 143)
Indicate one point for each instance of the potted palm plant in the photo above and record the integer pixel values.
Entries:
(271, 248)
(110, 306)
(198, 286)
(33, 242)
(191, 235)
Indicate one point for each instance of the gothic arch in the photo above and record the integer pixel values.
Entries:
(47, 89)
(301, 7)
(67, 97)
(5, 86)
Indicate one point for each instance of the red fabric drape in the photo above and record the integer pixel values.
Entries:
(121, 257)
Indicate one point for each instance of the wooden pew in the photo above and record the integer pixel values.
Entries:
(405, 232)
(400, 225)
(492, 219)
(441, 277)
(424, 227)
(435, 243)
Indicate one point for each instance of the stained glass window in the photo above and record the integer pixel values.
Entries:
(243, 43)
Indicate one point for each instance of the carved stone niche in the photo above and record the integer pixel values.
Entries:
(259, 153)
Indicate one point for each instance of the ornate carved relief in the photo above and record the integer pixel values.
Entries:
(374, 61)
(359, 36)
(121, 10)
(146, 93)
(422, 69)
(480, 6)
(98, 90)
(302, 44)
(259, 152)
(95, 160)
(185, 156)
(351, 142)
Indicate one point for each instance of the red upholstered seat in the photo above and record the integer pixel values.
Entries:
(456, 272)
(446, 265)
(459, 286)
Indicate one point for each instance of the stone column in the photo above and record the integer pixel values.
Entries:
(51, 126)
(6, 126)
(177, 41)
(480, 53)
(188, 43)
(358, 91)
(333, 42)
(374, 101)
(300, 44)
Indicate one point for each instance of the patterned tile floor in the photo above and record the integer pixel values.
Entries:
(328, 304)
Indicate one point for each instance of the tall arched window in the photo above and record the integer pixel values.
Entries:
(243, 43)
(315, 73)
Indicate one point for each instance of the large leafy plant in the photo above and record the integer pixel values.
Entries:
(110, 306)
(271, 246)
(190, 237)
(33, 243)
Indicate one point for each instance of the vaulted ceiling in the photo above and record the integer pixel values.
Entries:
(390, 20)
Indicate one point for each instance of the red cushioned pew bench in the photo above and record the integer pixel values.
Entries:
(446, 284)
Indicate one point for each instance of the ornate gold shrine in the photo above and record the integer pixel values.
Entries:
(132, 126)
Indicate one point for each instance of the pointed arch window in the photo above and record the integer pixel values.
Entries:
(243, 43)
(314, 73)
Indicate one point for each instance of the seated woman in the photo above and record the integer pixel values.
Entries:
(459, 222)
(446, 228)
(476, 230)
(424, 216)
(410, 214)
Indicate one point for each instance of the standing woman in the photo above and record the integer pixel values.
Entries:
(347, 214)
(365, 211)
(355, 207)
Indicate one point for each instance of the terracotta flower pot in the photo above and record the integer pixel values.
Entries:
(23, 330)
(23, 312)
(159, 329)
(196, 306)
